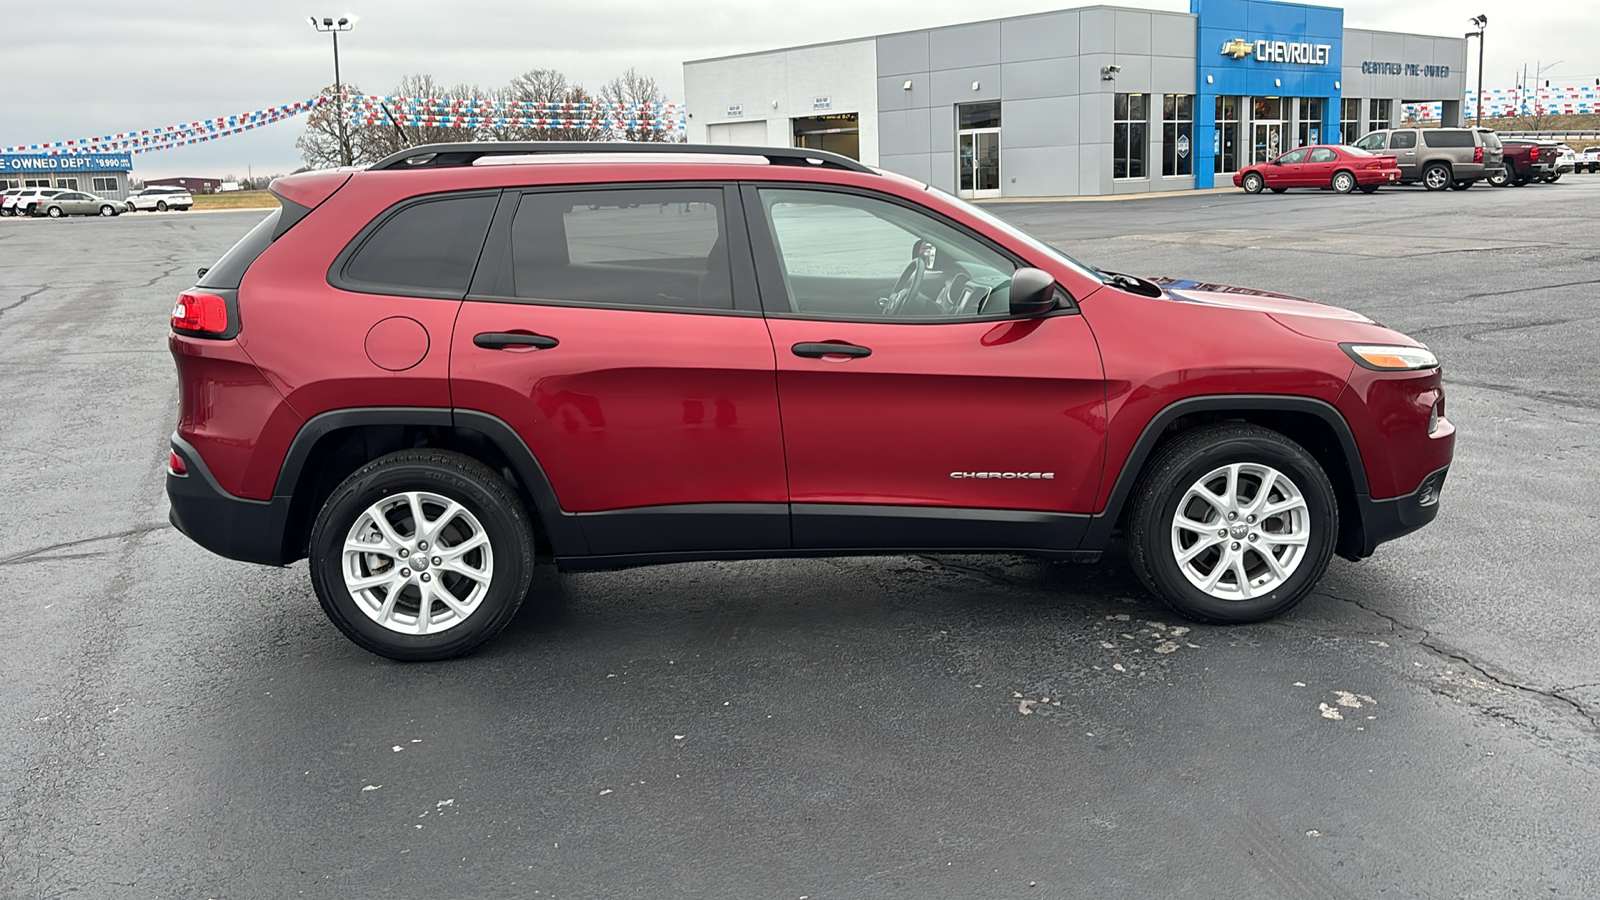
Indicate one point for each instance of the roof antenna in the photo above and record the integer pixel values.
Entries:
(405, 142)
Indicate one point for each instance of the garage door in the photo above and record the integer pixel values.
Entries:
(740, 133)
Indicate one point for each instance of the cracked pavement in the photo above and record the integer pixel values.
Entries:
(1425, 725)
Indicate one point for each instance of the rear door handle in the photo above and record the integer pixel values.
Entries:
(497, 340)
(818, 351)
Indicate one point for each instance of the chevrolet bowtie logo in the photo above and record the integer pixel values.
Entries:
(1237, 48)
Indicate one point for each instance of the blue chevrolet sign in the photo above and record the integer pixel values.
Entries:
(12, 163)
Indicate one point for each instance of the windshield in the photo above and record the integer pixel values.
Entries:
(1013, 231)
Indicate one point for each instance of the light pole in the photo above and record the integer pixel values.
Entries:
(333, 27)
(1479, 20)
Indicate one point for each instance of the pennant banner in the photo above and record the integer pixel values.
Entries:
(148, 139)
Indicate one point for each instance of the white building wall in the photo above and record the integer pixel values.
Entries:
(783, 85)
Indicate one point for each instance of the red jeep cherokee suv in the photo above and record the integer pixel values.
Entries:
(423, 373)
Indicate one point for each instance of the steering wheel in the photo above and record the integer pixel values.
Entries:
(905, 287)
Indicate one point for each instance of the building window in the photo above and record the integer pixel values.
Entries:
(1177, 134)
(36, 182)
(70, 184)
(1227, 146)
(1378, 114)
(1349, 121)
(105, 184)
(1130, 119)
(1310, 126)
(9, 183)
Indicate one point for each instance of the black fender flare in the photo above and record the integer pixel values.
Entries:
(562, 528)
(1103, 522)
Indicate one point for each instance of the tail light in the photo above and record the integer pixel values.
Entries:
(1477, 154)
(200, 313)
(175, 463)
(1533, 153)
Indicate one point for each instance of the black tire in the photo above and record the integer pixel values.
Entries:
(1369, 188)
(453, 476)
(1500, 178)
(1253, 183)
(161, 206)
(1436, 177)
(1344, 182)
(1182, 464)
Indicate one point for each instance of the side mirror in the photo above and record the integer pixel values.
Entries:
(1032, 292)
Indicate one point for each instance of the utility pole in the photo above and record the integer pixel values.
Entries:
(333, 27)
(1479, 20)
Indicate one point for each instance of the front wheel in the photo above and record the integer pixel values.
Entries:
(1232, 523)
(421, 555)
(107, 210)
(1436, 177)
(1253, 183)
(1344, 182)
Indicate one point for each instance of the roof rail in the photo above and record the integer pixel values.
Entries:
(438, 156)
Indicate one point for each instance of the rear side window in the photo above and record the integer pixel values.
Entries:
(1402, 140)
(1447, 138)
(426, 249)
(1322, 155)
(651, 247)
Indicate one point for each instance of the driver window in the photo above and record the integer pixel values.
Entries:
(1293, 157)
(856, 257)
(1371, 141)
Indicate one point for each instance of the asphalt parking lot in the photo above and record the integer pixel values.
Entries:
(1427, 724)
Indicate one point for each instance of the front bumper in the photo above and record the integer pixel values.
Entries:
(234, 527)
(1392, 517)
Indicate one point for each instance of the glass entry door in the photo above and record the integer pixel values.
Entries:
(978, 156)
(1269, 141)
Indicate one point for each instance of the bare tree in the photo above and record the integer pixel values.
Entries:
(319, 144)
(641, 91)
(547, 94)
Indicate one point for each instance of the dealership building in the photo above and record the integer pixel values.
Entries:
(1081, 102)
(105, 174)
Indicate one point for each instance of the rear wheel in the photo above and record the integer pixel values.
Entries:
(161, 205)
(1253, 183)
(421, 555)
(1344, 182)
(1232, 523)
(1436, 177)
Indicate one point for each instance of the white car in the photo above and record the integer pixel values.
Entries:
(25, 201)
(1589, 160)
(160, 199)
(1566, 160)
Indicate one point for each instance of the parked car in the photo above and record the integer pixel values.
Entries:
(453, 368)
(1342, 168)
(1588, 160)
(7, 199)
(1566, 162)
(26, 201)
(78, 203)
(160, 198)
(1526, 161)
(1439, 158)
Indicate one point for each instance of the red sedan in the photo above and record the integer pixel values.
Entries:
(1323, 166)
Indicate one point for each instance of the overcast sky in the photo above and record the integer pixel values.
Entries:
(80, 68)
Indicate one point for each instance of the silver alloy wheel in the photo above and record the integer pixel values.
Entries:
(1241, 531)
(1437, 178)
(417, 563)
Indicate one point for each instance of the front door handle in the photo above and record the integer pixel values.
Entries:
(497, 340)
(818, 351)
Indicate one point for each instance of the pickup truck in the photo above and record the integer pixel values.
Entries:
(1525, 161)
(1588, 160)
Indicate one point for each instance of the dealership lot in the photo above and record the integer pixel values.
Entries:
(1427, 724)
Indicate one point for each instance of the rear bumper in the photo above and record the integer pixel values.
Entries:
(1392, 517)
(234, 527)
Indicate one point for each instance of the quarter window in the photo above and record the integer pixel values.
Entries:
(427, 249)
(1130, 119)
(846, 256)
(1177, 134)
(653, 247)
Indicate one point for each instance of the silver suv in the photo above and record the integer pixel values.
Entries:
(1439, 157)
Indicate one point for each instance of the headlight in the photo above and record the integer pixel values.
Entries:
(1390, 357)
